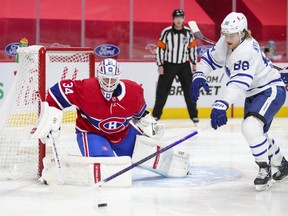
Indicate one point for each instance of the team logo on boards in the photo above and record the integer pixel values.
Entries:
(151, 47)
(11, 49)
(107, 50)
(113, 124)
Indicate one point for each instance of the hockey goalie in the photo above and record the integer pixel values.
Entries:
(113, 129)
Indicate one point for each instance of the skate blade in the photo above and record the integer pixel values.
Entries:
(285, 178)
(263, 187)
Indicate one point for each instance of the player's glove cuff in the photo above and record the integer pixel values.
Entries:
(220, 105)
(198, 75)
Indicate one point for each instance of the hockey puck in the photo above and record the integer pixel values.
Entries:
(102, 205)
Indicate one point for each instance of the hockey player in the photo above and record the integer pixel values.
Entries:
(105, 107)
(251, 74)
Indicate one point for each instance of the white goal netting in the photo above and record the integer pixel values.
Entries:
(39, 68)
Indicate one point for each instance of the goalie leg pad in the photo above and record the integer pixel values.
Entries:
(170, 163)
(77, 170)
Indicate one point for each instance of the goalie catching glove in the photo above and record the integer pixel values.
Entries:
(49, 121)
(149, 126)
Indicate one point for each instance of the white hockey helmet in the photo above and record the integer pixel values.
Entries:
(108, 74)
(234, 23)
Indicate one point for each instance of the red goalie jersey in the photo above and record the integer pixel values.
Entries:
(94, 113)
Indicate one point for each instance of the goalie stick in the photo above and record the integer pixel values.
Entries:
(75, 191)
(56, 158)
(100, 183)
(196, 31)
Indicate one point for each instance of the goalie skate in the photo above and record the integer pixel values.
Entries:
(263, 179)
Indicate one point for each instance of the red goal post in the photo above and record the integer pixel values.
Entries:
(39, 68)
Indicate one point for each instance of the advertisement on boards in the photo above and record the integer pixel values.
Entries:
(144, 73)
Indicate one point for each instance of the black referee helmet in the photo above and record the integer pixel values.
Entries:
(178, 13)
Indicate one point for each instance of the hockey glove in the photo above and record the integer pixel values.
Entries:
(284, 75)
(218, 115)
(150, 127)
(199, 81)
(49, 121)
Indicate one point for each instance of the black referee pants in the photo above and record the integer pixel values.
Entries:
(183, 71)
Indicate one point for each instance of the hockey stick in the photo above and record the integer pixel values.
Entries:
(100, 183)
(196, 31)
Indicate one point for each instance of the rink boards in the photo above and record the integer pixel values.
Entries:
(145, 73)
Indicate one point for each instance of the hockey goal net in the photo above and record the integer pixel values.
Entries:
(39, 68)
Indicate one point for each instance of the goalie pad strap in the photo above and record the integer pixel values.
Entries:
(97, 172)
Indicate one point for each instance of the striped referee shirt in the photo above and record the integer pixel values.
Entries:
(176, 46)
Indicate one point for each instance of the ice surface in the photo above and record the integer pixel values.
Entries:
(220, 183)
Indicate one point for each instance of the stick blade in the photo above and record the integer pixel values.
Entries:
(193, 26)
(196, 31)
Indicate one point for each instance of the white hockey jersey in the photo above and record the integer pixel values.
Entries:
(249, 70)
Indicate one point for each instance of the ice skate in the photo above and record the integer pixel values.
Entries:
(282, 171)
(263, 179)
(195, 121)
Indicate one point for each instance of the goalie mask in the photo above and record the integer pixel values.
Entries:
(108, 74)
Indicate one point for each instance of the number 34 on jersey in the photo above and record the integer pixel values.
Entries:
(67, 88)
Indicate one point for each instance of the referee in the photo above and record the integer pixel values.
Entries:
(176, 48)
